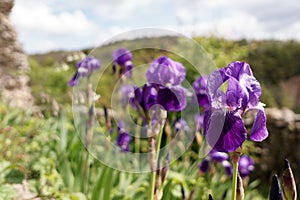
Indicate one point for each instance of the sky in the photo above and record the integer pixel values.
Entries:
(47, 25)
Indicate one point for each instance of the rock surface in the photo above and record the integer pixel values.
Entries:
(282, 143)
(14, 89)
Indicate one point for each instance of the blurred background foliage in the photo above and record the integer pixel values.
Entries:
(274, 63)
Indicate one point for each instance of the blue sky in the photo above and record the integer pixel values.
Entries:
(47, 25)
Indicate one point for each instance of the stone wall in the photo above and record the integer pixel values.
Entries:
(14, 89)
(283, 142)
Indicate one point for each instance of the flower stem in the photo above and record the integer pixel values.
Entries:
(86, 172)
(155, 161)
(88, 134)
(234, 180)
(235, 161)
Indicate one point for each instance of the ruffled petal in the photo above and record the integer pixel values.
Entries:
(236, 97)
(237, 69)
(121, 56)
(259, 130)
(149, 96)
(172, 99)
(253, 88)
(164, 71)
(232, 134)
(152, 73)
(214, 81)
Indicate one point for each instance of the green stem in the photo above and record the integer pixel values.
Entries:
(234, 179)
(137, 140)
(86, 173)
(88, 136)
(153, 172)
(152, 185)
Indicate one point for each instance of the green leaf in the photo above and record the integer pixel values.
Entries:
(14, 176)
(98, 187)
(108, 185)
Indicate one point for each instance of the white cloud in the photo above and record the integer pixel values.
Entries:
(117, 10)
(121, 10)
(44, 46)
(231, 26)
(42, 28)
(234, 19)
(291, 31)
(36, 16)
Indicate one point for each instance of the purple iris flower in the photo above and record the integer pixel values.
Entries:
(123, 141)
(163, 88)
(144, 98)
(216, 157)
(85, 68)
(224, 128)
(164, 71)
(124, 138)
(246, 166)
(167, 75)
(200, 85)
(204, 165)
(228, 167)
(172, 99)
(123, 58)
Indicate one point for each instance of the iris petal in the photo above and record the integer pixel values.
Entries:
(213, 125)
(253, 88)
(236, 97)
(214, 81)
(232, 134)
(172, 99)
(218, 156)
(237, 69)
(149, 95)
(204, 165)
(121, 56)
(164, 71)
(74, 80)
(199, 86)
(246, 166)
(259, 130)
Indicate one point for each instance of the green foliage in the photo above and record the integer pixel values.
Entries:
(274, 61)
(49, 81)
